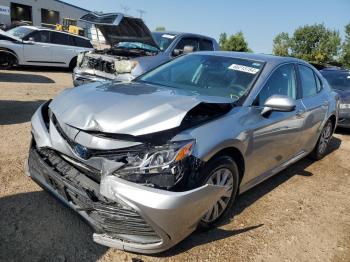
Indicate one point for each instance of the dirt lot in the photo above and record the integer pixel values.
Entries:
(302, 214)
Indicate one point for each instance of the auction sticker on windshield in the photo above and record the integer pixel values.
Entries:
(246, 69)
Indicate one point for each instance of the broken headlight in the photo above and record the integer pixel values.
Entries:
(124, 66)
(80, 58)
(162, 166)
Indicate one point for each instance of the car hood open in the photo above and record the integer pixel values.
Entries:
(117, 27)
(134, 109)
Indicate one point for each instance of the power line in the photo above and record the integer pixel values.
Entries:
(141, 12)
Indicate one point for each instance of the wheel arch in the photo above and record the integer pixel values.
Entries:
(9, 51)
(236, 155)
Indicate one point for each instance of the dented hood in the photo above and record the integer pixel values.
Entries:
(117, 27)
(134, 109)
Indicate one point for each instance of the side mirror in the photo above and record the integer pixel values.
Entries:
(278, 103)
(177, 52)
(30, 41)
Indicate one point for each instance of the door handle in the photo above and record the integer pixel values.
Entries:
(300, 113)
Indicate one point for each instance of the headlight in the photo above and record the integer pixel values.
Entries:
(80, 58)
(162, 166)
(124, 66)
(344, 106)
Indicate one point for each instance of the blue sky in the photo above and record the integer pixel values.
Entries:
(259, 20)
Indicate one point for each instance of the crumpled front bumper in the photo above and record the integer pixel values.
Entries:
(125, 215)
(344, 118)
(85, 75)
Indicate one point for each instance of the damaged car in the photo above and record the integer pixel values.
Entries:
(147, 162)
(134, 49)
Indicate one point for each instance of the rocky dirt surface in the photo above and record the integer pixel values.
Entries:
(301, 214)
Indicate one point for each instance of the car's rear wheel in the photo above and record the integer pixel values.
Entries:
(322, 145)
(221, 171)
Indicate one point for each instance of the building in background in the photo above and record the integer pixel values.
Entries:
(46, 13)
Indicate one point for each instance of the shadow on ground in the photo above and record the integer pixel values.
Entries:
(35, 227)
(16, 112)
(13, 77)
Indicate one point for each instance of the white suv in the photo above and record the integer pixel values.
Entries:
(28, 45)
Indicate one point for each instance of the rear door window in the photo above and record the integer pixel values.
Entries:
(59, 38)
(206, 45)
(309, 86)
(81, 42)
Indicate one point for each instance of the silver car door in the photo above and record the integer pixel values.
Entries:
(275, 137)
(315, 100)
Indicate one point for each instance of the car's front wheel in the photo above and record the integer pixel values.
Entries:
(221, 171)
(322, 145)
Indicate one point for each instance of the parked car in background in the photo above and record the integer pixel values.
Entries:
(146, 162)
(32, 46)
(134, 49)
(339, 80)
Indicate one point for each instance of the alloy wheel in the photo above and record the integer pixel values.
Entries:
(325, 138)
(220, 177)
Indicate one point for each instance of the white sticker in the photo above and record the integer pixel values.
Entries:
(348, 77)
(168, 36)
(4, 10)
(242, 68)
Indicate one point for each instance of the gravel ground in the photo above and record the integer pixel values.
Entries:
(301, 214)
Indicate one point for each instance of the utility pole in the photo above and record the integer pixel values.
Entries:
(125, 9)
(141, 12)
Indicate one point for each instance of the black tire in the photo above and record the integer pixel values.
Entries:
(214, 165)
(7, 60)
(322, 145)
(73, 64)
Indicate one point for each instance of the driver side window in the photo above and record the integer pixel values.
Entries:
(281, 82)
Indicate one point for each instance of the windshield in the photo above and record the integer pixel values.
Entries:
(136, 45)
(338, 80)
(163, 40)
(207, 75)
(20, 31)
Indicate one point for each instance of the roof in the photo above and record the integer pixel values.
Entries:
(182, 33)
(62, 2)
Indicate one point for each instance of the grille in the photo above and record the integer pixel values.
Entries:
(116, 220)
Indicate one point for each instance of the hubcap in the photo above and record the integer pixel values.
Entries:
(221, 177)
(325, 138)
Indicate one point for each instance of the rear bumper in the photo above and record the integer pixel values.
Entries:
(124, 215)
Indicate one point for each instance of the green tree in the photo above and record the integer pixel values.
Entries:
(281, 44)
(345, 54)
(235, 42)
(160, 28)
(315, 43)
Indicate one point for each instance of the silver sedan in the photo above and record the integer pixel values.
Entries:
(147, 162)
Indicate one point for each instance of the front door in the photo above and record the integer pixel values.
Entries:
(276, 137)
(38, 49)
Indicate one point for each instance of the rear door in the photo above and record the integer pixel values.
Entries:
(63, 48)
(316, 103)
(37, 51)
